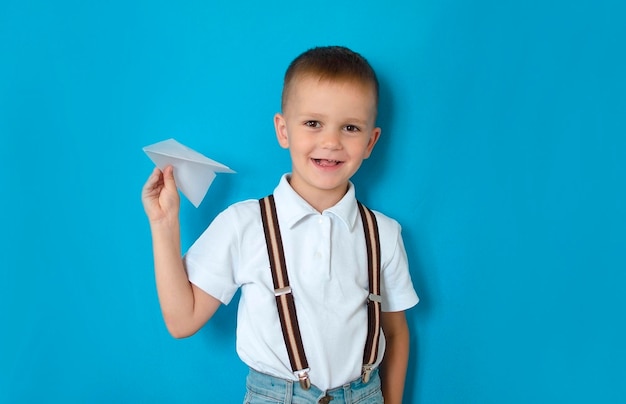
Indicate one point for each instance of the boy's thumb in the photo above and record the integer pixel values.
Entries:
(168, 177)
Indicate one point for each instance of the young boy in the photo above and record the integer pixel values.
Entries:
(328, 123)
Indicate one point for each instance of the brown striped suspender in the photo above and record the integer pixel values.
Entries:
(284, 297)
(372, 244)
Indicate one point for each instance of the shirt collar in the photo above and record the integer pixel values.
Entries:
(293, 208)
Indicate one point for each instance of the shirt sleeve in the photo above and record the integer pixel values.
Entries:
(211, 261)
(397, 289)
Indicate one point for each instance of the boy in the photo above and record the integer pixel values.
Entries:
(329, 108)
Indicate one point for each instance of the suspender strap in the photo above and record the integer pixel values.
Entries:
(372, 244)
(282, 291)
(284, 297)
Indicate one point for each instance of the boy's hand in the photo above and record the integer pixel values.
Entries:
(160, 197)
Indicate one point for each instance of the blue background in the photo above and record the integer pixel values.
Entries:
(502, 156)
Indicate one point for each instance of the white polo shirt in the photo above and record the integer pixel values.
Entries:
(327, 265)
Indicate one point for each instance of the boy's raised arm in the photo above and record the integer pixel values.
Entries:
(185, 307)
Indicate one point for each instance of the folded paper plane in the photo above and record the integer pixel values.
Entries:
(193, 171)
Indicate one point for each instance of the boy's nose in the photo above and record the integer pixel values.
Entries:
(330, 140)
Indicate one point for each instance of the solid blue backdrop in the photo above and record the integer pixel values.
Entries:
(502, 156)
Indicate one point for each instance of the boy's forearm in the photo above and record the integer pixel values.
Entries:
(173, 287)
(394, 366)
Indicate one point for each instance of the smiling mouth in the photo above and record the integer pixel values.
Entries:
(326, 163)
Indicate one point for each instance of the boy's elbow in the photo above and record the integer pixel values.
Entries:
(178, 333)
(183, 324)
(179, 330)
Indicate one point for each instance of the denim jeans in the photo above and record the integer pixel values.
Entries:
(266, 389)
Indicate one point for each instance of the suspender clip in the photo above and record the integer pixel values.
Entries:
(282, 291)
(303, 377)
(375, 298)
(367, 372)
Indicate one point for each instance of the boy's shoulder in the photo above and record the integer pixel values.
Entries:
(247, 210)
(386, 223)
(247, 207)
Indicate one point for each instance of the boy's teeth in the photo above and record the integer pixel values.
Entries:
(325, 162)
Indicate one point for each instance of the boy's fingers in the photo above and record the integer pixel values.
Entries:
(152, 180)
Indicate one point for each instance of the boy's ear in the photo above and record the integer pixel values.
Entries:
(280, 125)
(372, 142)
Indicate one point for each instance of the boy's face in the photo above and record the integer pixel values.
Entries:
(329, 128)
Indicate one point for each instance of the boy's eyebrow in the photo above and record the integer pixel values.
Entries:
(357, 120)
(314, 115)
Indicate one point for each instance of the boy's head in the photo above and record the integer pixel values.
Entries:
(328, 121)
(330, 63)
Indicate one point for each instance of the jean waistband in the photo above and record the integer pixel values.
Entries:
(285, 390)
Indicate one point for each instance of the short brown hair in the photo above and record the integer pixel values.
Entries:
(331, 63)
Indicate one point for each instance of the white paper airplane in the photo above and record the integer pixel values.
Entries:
(193, 171)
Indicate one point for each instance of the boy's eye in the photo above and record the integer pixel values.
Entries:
(312, 124)
(352, 128)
